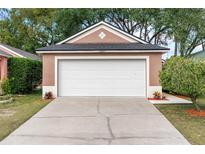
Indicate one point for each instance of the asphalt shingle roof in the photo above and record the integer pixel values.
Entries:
(21, 52)
(3, 53)
(101, 47)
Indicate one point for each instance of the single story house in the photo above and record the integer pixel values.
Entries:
(102, 60)
(7, 51)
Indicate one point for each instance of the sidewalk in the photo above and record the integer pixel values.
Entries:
(171, 99)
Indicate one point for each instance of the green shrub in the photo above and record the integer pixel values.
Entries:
(6, 86)
(23, 75)
(184, 76)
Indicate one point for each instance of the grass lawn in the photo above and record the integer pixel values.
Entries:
(14, 114)
(193, 128)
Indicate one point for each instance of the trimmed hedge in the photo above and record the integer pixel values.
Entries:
(185, 77)
(23, 75)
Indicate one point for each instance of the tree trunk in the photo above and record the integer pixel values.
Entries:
(195, 104)
(181, 49)
(203, 46)
(175, 49)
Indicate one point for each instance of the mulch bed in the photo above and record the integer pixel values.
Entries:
(151, 99)
(182, 96)
(194, 112)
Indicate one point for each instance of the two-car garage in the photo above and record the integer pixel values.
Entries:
(101, 77)
(102, 60)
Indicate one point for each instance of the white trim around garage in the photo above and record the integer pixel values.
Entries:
(153, 89)
(55, 87)
(49, 89)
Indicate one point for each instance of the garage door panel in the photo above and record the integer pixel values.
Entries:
(109, 92)
(101, 75)
(101, 65)
(103, 84)
(101, 78)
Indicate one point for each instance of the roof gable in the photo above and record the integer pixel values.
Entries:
(102, 33)
(9, 51)
(14, 52)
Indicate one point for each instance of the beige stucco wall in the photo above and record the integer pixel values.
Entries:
(49, 65)
(3, 67)
(94, 37)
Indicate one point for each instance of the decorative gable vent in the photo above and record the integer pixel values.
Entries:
(102, 35)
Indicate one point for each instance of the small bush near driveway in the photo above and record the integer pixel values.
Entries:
(185, 77)
(23, 75)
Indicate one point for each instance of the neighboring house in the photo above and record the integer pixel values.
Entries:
(102, 60)
(7, 51)
(200, 55)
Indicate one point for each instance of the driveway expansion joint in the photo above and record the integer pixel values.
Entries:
(98, 106)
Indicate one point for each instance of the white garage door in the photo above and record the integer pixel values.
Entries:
(102, 77)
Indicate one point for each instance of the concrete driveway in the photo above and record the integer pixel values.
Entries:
(97, 120)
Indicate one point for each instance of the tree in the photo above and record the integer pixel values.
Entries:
(187, 28)
(29, 29)
(3, 13)
(147, 24)
(71, 21)
(184, 76)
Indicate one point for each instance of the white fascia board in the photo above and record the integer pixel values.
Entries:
(108, 25)
(11, 51)
(86, 29)
(108, 51)
(111, 30)
(133, 37)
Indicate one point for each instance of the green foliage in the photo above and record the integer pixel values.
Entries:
(6, 86)
(184, 76)
(23, 75)
(187, 28)
(29, 29)
(71, 21)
